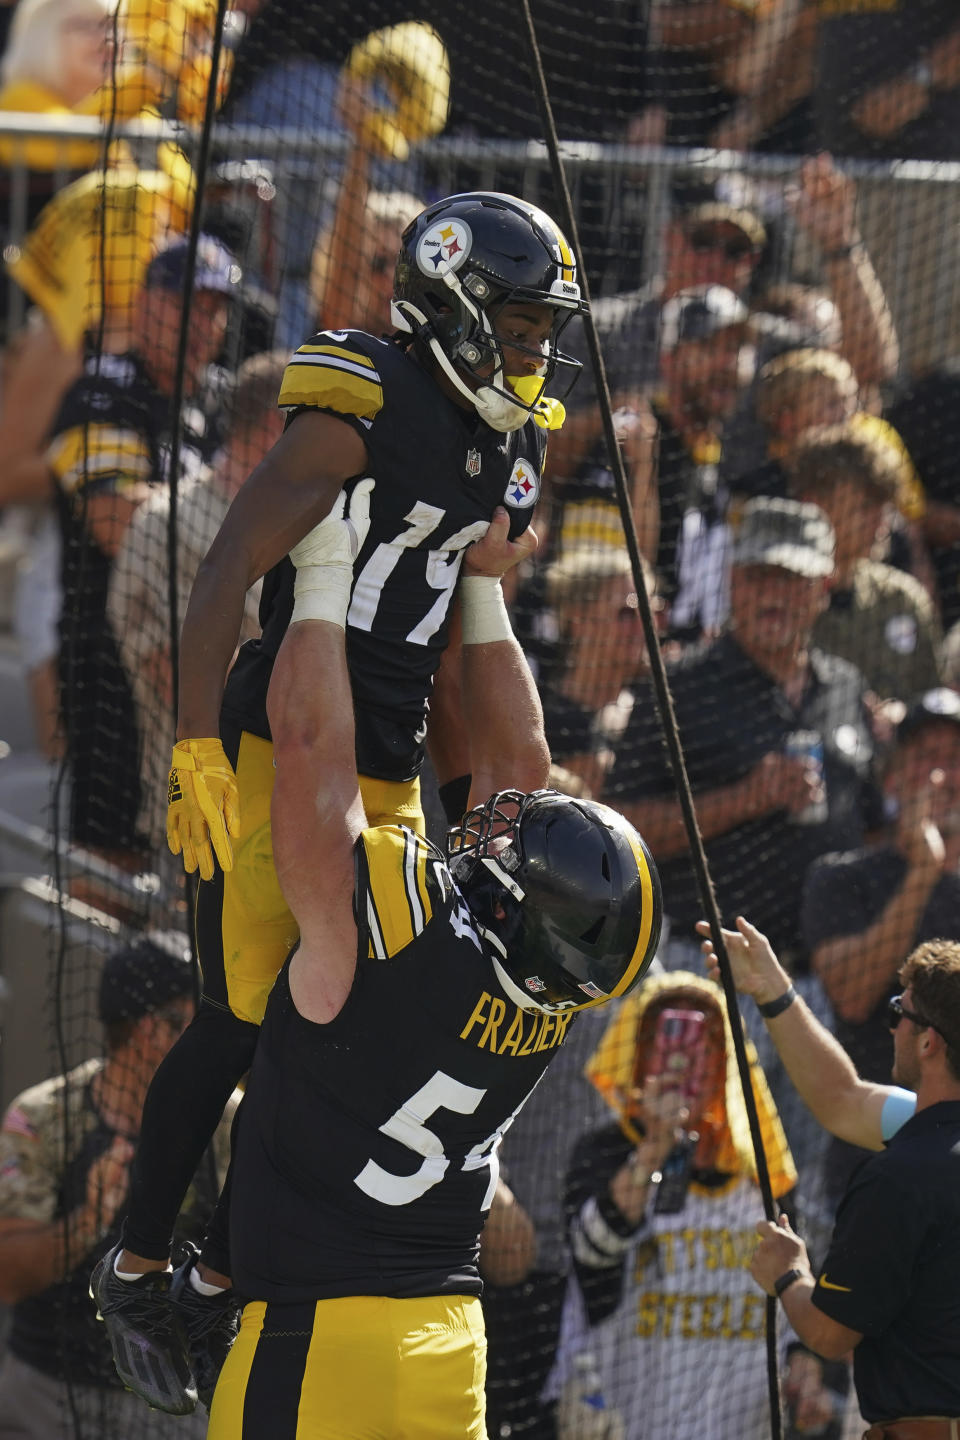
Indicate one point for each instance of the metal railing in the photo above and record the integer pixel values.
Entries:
(918, 256)
(910, 210)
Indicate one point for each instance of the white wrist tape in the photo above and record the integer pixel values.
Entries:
(322, 592)
(324, 559)
(324, 565)
(483, 613)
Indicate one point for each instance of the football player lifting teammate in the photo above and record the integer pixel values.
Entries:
(426, 997)
(448, 416)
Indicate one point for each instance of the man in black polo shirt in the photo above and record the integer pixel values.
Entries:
(776, 737)
(889, 1288)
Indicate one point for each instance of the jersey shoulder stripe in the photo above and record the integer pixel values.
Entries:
(398, 903)
(92, 454)
(332, 375)
(338, 351)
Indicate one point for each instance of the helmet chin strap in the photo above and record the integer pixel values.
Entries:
(493, 400)
(497, 409)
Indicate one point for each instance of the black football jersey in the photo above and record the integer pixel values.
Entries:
(367, 1154)
(440, 472)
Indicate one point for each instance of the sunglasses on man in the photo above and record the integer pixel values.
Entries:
(705, 238)
(897, 1011)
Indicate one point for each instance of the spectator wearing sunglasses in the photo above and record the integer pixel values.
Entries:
(707, 244)
(889, 1286)
(864, 911)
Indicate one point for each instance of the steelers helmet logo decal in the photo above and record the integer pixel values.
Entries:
(523, 487)
(444, 247)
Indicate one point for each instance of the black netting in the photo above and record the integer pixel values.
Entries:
(766, 200)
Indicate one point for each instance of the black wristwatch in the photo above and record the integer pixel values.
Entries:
(776, 1007)
(784, 1281)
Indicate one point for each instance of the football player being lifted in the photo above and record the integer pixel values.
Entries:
(448, 417)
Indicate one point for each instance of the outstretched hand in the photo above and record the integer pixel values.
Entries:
(755, 968)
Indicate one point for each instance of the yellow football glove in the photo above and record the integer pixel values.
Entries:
(203, 809)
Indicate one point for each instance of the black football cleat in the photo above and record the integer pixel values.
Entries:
(147, 1336)
(211, 1323)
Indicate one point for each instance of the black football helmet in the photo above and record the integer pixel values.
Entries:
(460, 261)
(565, 892)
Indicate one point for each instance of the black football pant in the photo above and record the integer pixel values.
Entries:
(183, 1107)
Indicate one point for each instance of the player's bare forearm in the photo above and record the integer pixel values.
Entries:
(208, 640)
(316, 811)
(508, 748)
(286, 495)
(448, 744)
(502, 714)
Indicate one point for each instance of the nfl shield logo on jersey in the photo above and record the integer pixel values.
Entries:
(523, 487)
(473, 463)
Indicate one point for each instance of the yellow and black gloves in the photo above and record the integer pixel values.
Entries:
(203, 812)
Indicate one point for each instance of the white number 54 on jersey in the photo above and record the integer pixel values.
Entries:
(406, 1125)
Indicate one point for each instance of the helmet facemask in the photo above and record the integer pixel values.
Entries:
(482, 855)
(452, 283)
(461, 336)
(564, 892)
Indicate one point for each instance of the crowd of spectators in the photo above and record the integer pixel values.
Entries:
(790, 439)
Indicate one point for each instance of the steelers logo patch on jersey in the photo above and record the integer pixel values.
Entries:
(444, 247)
(523, 487)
